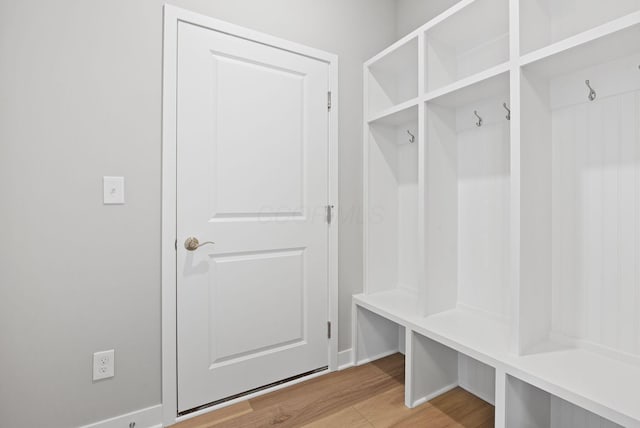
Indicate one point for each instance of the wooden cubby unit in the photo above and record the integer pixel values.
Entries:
(509, 249)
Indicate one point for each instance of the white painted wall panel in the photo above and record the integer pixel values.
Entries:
(596, 221)
(483, 208)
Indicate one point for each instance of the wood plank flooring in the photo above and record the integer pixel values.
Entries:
(369, 396)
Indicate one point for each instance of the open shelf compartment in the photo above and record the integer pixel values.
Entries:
(467, 204)
(474, 39)
(580, 202)
(392, 252)
(392, 79)
(545, 22)
(433, 369)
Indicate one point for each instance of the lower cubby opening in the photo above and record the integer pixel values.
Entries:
(531, 407)
(442, 387)
(376, 337)
(434, 369)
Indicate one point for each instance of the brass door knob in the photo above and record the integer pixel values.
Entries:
(192, 244)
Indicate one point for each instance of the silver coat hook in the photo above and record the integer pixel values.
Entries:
(506, 107)
(479, 122)
(592, 93)
(412, 138)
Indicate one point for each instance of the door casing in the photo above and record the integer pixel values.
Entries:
(172, 15)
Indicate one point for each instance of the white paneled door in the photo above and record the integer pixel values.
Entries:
(252, 178)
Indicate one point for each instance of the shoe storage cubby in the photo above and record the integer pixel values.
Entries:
(506, 236)
(531, 407)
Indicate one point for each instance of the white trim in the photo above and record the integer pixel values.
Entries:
(345, 359)
(150, 417)
(172, 15)
(169, 331)
(434, 394)
(377, 357)
(573, 342)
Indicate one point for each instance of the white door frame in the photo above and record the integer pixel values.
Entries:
(173, 15)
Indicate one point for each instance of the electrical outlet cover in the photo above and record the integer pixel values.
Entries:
(103, 364)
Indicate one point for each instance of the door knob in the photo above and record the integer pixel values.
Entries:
(192, 244)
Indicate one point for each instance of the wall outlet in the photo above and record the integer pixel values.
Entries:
(103, 364)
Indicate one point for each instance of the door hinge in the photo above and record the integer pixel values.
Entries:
(329, 329)
(329, 213)
(176, 244)
(329, 101)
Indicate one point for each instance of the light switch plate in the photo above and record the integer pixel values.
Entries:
(113, 190)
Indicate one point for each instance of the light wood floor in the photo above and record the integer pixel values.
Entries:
(361, 397)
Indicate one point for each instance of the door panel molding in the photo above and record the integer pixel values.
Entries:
(172, 16)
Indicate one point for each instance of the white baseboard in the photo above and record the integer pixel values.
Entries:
(345, 359)
(377, 357)
(151, 417)
(433, 395)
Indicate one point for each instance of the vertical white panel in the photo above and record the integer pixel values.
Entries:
(382, 259)
(500, 399)
(610, 286)
(592, 208)
(577, 290)
(637, 218)
(407, 240)
(442, 209)
(627, 225)
(483, 208)
(477, 378)
(566, 304)
(376, 337)
(534, 300)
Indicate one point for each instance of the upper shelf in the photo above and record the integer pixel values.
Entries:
(546, 22)
(605, 43)
(473, 39)
(392, 79)
(486, 84)
(397, 115)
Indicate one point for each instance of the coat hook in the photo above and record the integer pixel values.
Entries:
(412, 138)
(506, 107)
(479, 122)
(592, 93)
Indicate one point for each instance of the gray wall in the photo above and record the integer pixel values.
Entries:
(411, 14)
(80, 88)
